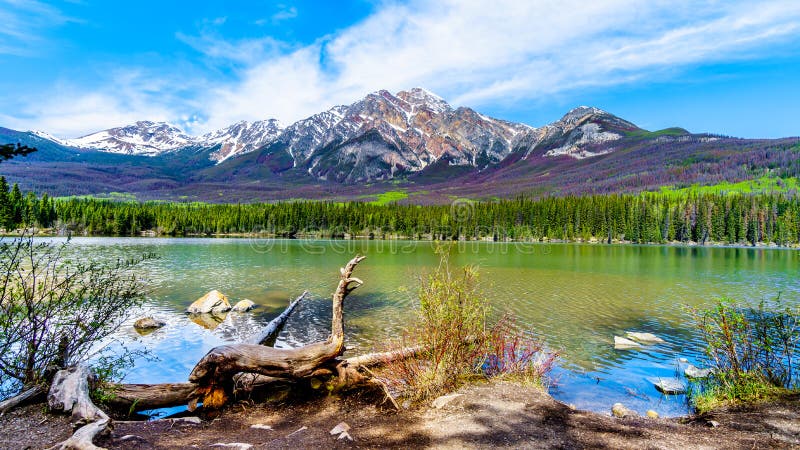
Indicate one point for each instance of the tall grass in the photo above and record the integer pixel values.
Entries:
(752, 351)
(458, 342)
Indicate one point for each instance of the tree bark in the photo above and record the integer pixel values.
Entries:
(273, 328)
(23, 397)
(150, 396)
(69, 392)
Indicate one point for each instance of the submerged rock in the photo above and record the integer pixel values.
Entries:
(669, 386)
(214, 302)
(208, 321)
(620, 343)
(243, 306)
(695, 372)
(645, 338)
(619, 410)
(148, 323)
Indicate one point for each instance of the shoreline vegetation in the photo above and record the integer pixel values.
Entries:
(467, 370)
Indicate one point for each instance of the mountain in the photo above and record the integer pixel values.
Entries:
(240, 138)
(412, 140)
(142, 138)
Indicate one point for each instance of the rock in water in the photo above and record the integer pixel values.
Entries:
(243, 306)
(620, 343)
(669, 386)
(214, 302)
(148, 323)
(619, 410)
(645, 338)
(695, 372)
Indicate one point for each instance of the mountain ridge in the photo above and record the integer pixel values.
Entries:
(412, 141)
(379, 136)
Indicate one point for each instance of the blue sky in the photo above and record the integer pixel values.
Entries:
(73, 67)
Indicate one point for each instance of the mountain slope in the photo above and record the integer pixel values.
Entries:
(412, 140)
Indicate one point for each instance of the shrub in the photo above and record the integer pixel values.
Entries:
(457, 342)
(55, 312)
(751, 351)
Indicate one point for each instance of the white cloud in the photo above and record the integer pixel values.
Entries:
(467, 51)
(476, 54)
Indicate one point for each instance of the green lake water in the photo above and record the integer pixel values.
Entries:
(576, 297)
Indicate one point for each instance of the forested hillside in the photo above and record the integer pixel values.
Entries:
(645, 218)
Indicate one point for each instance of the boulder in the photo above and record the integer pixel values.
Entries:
(669, 386)
(644, 338)
(243, 306)
(695, 372)
(442, 401)
(148, 323)
(214, 302)
(652, 414)
(341, 427)
(620, 343)
(619, 410)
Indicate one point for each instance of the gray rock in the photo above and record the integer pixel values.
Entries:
(243, 306)
(346, 436)
(644, 338)
(148, 323)
(669, 386)
(341, 427)
(442, 401)
(214, 302)
(695, 372)
(620, 343)
(619, 410)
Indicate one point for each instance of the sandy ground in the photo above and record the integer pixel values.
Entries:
(488, 415)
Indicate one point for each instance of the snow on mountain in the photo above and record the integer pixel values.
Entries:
(240, 138)
(142, 138)
(375, 138)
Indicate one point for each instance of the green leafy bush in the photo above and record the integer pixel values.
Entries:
(752, 352)
(458, 343)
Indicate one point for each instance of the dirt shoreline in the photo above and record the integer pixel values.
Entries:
(488, 415)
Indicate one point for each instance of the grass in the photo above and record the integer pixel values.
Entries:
(644, 134)
(389, 197)
(710, 395)
(755, 186)
(115, 196)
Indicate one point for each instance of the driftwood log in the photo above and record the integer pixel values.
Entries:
(164, 395)
(225, 371)
(25, 396)
(214, 373)
(69, 392)
(273, 328)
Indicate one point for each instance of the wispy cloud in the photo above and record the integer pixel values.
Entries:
(512, 51)
(23, 24)
(470, 52)
(284, 13)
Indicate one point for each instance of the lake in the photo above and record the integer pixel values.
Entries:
(575, 296)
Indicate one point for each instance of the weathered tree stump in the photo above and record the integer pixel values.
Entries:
(69, 393)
